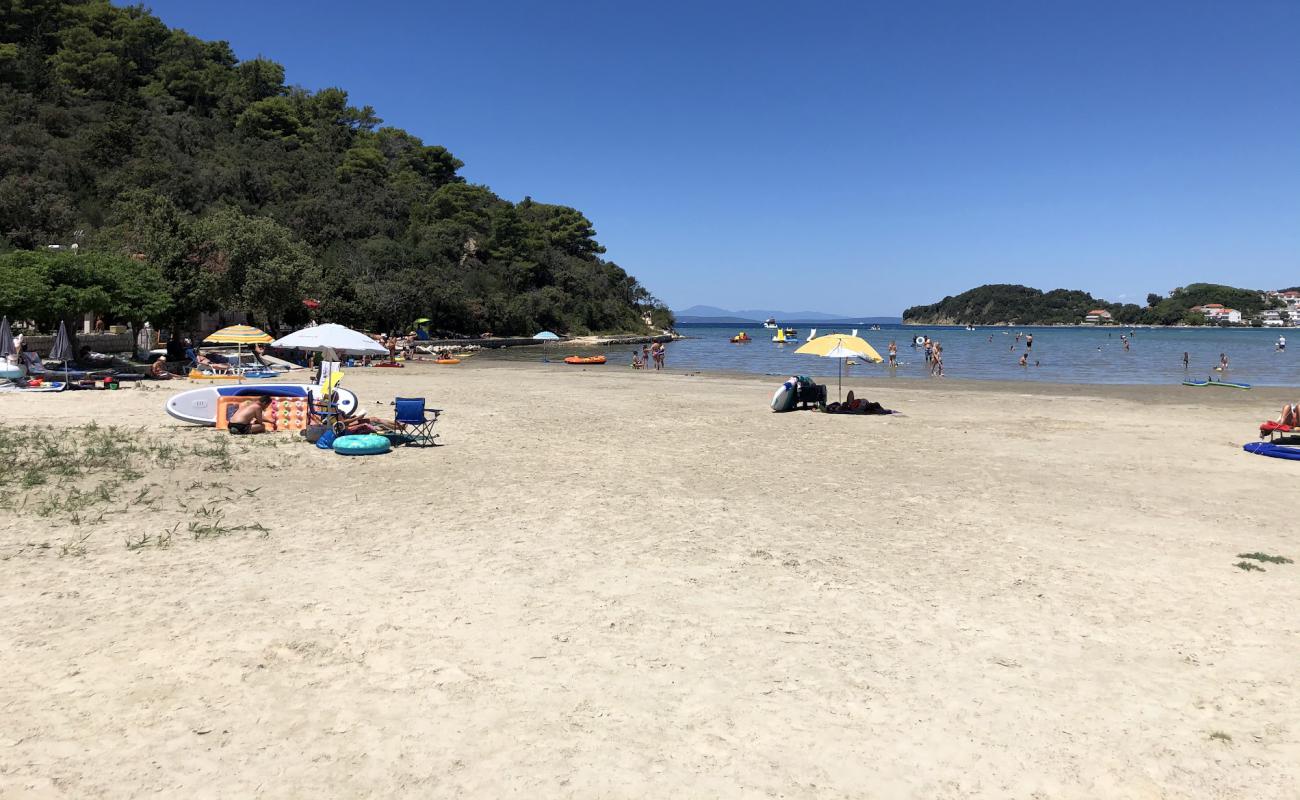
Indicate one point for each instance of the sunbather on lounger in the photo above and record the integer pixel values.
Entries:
(205, 363)
(1290, 415)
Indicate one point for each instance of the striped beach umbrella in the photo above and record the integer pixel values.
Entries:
(239, 334)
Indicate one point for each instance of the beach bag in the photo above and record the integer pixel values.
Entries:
(312, 433)
(326, 440)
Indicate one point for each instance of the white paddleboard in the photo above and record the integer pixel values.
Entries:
(199, 406)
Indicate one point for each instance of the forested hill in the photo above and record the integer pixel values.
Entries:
(233, 190)
(1001, 303)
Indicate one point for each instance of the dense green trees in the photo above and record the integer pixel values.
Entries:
(994, 304)
(999, 303)
(1176, 307)
(246, 194)
(48, 287)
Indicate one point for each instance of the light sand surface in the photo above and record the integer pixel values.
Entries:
(629, 585)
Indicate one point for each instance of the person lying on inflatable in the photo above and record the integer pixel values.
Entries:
(852, 405)
(248, 417)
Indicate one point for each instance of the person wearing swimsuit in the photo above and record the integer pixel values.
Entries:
(248, 417)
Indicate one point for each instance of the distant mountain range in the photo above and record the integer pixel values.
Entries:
(720, 316)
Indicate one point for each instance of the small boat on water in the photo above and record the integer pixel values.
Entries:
(770, 322)
(740, 338)
(585, 360)
(786, 335)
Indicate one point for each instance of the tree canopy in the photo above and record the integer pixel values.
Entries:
(48, 287)
(244, 193)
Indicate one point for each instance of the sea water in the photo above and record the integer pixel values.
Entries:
(1059, 354)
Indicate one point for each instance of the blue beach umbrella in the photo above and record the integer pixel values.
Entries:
(546, 335)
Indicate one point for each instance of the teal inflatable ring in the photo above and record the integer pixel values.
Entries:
(367, 444)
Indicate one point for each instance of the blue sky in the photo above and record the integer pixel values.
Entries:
(845, 157)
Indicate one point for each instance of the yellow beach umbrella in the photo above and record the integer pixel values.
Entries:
(240, 334)
(840, 346)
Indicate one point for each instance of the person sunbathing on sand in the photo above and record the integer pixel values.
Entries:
(158, 370)
(248, 417)
(854, 405)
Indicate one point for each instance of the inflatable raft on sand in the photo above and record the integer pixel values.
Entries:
(199, 406)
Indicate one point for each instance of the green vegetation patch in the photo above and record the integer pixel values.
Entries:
(89, 473)
(1266, 557)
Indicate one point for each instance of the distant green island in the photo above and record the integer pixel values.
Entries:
(1194, 304)
(146, 174)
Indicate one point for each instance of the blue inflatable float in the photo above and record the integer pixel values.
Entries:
(366, 444)
(1273, 450)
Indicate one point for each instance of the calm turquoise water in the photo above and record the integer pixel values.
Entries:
(1063, 355)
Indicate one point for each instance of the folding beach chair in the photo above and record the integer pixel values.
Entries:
(325, 412)
(415, 422)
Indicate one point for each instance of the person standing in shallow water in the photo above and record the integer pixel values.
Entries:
(1185, 365)
(893, 353)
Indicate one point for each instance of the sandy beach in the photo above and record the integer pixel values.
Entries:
(629, 585)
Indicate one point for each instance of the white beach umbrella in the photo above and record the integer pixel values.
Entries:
(331, 336)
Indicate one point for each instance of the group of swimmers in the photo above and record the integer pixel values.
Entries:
(933, 354)
(652, 353)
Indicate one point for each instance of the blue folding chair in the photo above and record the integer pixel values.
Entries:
(415, 422)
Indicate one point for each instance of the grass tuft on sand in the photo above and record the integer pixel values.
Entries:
(82, 475)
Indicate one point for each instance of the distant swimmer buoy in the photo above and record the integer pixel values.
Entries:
(917, 341)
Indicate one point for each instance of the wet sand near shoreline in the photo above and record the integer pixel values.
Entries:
(620, 584)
